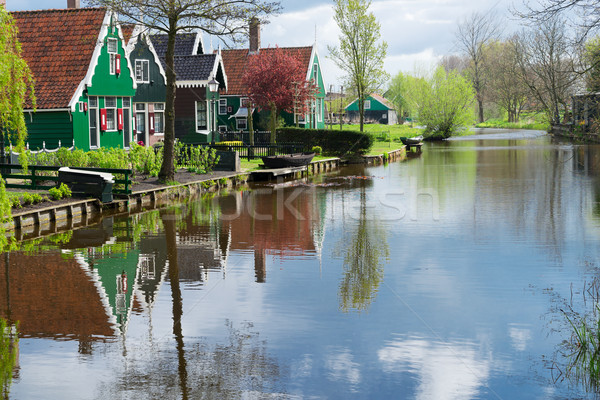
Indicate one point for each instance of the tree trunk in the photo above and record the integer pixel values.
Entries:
(361, 112)
(273, 122)
(167, 170)
(480, 104)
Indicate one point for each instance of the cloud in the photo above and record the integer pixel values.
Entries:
(446, 370)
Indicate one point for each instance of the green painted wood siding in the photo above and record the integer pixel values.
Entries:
(156, 90)
(375, 105)
(49, 127)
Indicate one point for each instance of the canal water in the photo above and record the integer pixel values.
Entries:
(448, 276)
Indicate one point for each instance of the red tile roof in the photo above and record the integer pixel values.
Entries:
(235, 62)
(127, 30)
(58, 47)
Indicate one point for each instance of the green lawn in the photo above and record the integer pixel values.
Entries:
(528, 120)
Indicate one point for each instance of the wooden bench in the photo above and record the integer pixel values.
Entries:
(87, 183)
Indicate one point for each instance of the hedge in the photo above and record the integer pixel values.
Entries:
(333, 142)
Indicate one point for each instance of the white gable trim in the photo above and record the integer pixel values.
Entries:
(87, 80)
(199, 40)
(140, 31)
(219, 61)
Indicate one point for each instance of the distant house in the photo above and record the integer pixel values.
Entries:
(83, 80)
(193, 109)
(378, 110)
(149, 100)
(233, 107)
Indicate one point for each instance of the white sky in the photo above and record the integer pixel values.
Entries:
(418, 32)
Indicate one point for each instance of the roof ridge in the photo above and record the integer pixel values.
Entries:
(60, 10)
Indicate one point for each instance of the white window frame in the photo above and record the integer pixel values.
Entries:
(111, 110)
(207, 130)
(142, 66)
(244, 124)
(319, 110)
(94, 109)
(367, 105)
(159, 109)
(112, 53)
(222, 106)
(245, 102)
(316, 73)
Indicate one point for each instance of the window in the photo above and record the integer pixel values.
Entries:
(126, 122)
(140, 106)
(111, 113)
(111, 44)
(222, 106)
(316, 73)
(241, 124)
(159, 118)
(319, 110)
(201, 116)
(222, 128)
(142, 71)
(93, 114)
(367, 104)
(244, 102)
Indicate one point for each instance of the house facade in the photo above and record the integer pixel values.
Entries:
(194, 107)
(84, 83)
(378, 110)
(233, 103)
(148, 108)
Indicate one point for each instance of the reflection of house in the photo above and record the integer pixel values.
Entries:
(194, 70)
(51, 296)
(83, 80)
(378, 110)
(233, 111)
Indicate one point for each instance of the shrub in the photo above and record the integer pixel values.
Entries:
(317, 150)
(333, 142)
(27, 199)
(65, 190)
(55, 193)
(231, 143)
(37, 198)
(15, 202)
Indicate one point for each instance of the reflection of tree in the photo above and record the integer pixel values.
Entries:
(239, 367)
(8, 356)
(168, 219)
(363, 249)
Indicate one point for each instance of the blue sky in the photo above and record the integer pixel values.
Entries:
(418, 32)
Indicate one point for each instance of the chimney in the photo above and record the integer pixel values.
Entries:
(72, 4)
(254, 35)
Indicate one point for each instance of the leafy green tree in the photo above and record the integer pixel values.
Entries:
(16, 89)
(360, 53)
(445, 104)
(227, 19)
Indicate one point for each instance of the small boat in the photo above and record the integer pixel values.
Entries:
(288, 160)
(411, 141)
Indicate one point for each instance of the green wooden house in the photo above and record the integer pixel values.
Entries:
(84, 84)
(194, 108)
(149, 101)
(233, 111)
(378, 110)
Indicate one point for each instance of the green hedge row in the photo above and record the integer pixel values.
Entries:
(333, 142)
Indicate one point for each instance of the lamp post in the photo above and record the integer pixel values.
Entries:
(213, 88)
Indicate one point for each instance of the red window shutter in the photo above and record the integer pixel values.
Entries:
(118, 64)
(103, 119)
(120, 119)
(151, 122)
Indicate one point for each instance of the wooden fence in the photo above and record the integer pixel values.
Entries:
(42, 177)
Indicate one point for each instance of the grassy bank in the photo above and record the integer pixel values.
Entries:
(529, 120)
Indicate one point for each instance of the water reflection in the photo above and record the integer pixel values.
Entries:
(444, 370)
(252, 293)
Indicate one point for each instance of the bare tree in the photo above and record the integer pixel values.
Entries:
(473, 34)
(546, 65)
(223, 18)
(585, 13)
(507, 90)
